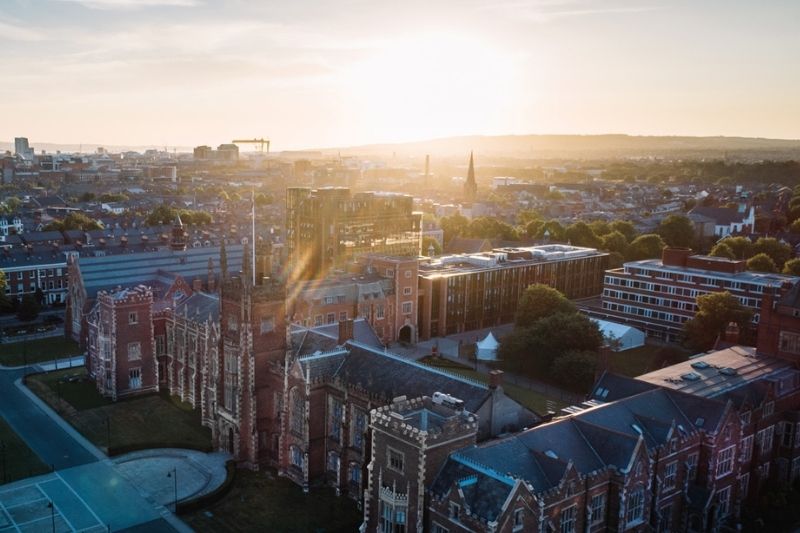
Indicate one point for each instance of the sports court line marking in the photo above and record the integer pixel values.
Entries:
(13, 522)
(26, 503)
(100, 522)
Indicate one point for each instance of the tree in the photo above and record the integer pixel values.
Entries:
(539, 301)
(526, 217)
(761, 263)
(600, 228)
(263, 199)
(647, 246)
(453, 226)
(677, 230)
(714, 312)
(428, 242)
(491, 228)
(778, 251)
(615, 242)
(5, 302)
(580, 234)
(624, 227)
(722, 250)
(792, 267)
(534, 228)
(794, 227)
(28, 308)
(741, 247)
(73, 221)
(161, 215)
(575, 370)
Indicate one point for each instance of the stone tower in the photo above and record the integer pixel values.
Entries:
(178, 238)
(470, 186)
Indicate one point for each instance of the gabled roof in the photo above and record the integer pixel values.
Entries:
(722, 216)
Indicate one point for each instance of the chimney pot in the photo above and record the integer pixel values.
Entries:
(495, 379)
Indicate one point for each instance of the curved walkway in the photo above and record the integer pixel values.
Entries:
(153, 471)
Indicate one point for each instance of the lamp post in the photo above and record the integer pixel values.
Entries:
(108, 433)
(174, 475)
(52, 514)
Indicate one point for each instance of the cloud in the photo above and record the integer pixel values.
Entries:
(550, 10)
(132, 4)
(14, 32)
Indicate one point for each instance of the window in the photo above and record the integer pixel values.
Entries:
(568, 519)
(597, 508)
(161, 345)
(635, 510)
(389, 273)
(407, 291)
(769, 408)
(407, 306)
(724, 501)
(331, 318)
(518, 520)
(725, 461)
(342, 316)
(335, 419)
(396, 460)
(379, 312)
(134, 351)
(665, 519)
(439, 529)
(135, 378)
(359, 427)
(298, 411)
(747, 448)
(318, 320)
(297, 456)
(355, 474)
(267, 324)
(670, 475)
(744, 485)
(333, 462)
(233, 323)
(763, 471)
(407, 274)
(133, 318)
(455, 511)
(764, 440)
(745, 418)
(787, 435)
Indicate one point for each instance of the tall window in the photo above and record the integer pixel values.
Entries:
(747, 448)
(359, 427)
(133, 318)
(231, 378)
(267, 325)
(568, 519)
(725, 461)
(518, 520)
(670, 475)
(296, 456)
(298, 408)
(724, 501)
(335, 419)
(744, 485)
(635, 509)
(691, 467)
(379, 312)
(764, 440)
(135, 378)
(407, 307)
(393, 518)
(597, 508)
(134, 351)
(161, 345)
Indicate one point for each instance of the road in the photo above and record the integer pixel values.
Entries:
(49, 440)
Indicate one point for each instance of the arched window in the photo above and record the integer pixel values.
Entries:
(296, 456)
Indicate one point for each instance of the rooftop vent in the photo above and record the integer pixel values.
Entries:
(700, 365)
(728, 371)
(551, 454)
(690, 376)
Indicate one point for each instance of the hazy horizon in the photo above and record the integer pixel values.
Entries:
(312, 75)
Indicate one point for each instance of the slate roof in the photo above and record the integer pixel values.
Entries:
(723, 216)
(600, 437)
(200, 305)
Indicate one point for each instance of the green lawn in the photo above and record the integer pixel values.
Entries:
(533, 400)
(647, 358)
(153, 420)
(17, 461)
(261, 502)
(37, 351)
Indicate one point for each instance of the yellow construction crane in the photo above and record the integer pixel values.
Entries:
(260, 142)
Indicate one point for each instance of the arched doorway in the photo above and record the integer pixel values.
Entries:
(405, 334)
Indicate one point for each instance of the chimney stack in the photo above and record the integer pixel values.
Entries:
(732, 333)
(495, 379)
(345, 331)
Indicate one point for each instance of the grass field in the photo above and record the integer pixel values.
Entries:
(37, 351)
(533, 400)
(151, 420)
(17, 461)
(647, 358)
(261, 502)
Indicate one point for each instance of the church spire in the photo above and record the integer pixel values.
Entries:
(470, 186)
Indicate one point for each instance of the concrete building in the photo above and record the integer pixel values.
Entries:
(465, 292)
(659, 295)
(328, 228)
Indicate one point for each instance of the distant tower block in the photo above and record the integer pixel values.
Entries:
(427, 166)
(178, 240)
(470, 186)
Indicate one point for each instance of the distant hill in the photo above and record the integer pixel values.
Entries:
(588, 147)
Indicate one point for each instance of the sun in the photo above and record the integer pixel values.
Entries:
(431, 85)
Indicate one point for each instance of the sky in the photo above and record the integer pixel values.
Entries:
(324, 73)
